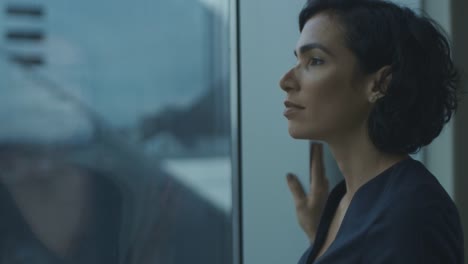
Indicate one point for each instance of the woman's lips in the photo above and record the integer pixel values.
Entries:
(291, 104)
(289, 112)
(291, 109)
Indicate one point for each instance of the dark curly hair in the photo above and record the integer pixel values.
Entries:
(422, 93)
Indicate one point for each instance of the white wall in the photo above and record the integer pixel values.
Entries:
(439, 155)
(268, 34)
(447, 156)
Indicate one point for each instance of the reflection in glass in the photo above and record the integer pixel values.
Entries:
(115, 138)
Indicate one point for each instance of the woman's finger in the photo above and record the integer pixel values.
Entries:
(318, 181)
(296, 189)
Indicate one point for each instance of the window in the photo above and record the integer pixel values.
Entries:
(116, 132)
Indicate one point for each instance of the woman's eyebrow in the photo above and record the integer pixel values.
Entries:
(305, 48)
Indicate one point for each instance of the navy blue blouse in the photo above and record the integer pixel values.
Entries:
(402, 216)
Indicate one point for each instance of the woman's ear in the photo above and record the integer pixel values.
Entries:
(379, 83)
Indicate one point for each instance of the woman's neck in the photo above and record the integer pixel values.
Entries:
(56, 210)
(360, 161)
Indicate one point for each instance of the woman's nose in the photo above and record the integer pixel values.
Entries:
(288, 81)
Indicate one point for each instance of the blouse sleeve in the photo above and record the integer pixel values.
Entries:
(409, 234)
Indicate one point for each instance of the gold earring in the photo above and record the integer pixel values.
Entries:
(376, 97)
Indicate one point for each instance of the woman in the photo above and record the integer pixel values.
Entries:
(375, 82)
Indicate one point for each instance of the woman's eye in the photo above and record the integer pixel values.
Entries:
(315, 61)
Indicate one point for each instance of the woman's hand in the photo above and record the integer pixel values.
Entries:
(309, 206)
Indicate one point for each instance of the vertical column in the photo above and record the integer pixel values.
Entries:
(447, 156)
(460, 55)
(439, 155)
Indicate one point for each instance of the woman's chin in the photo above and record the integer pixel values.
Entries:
(298, 134)
(302, 133)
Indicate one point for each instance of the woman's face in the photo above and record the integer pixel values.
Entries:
(24, 164)
(327, 94)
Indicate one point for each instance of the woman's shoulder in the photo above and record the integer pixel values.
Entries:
(407, 192)
(414, 218)
(409, 181)
(413, 185)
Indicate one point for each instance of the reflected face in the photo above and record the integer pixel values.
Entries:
(326, 90)
(26, 165)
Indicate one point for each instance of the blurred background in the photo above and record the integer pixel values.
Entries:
(120, 120)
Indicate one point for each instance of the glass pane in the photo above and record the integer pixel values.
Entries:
(115, 132)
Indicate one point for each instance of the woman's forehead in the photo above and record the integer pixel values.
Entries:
(322, 28)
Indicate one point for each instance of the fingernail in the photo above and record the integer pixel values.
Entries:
(289, 176)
